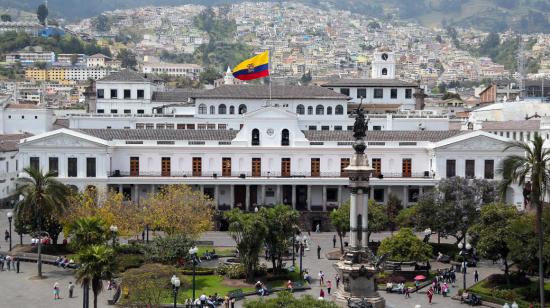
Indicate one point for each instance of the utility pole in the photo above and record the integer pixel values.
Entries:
(521, 66)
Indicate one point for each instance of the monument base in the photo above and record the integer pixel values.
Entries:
(358, 283)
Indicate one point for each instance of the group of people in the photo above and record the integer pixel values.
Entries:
(64, 262)
(8, 262)
(57, 290)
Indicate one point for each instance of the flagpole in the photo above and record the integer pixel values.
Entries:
(269, 68)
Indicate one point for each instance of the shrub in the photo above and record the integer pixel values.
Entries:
(168, 250)
(232, 271)
(128, 261)
(133, 249)
(510, 295)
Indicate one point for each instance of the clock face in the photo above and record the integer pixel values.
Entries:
(270, 131)
(384, 56)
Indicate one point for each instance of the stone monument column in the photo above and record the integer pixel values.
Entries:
(353, 242)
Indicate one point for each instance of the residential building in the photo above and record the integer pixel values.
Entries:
(191, 71)
(9, 167)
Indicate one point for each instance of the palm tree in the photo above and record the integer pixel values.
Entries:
(87, 231)
(517, 168)
(43, 197)
(96, 264)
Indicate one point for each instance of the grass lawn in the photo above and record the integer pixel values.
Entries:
(500, 294)
(220, 251)
(208, 285)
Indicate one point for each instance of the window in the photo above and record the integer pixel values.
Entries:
(127, 111)
(337, 127)
(378, 195)
(201, 126)
(329, 110)
(393, 94)
(377, 127)
(255, 136)
(212, 110)
(134, 166)
(90, 167)
(165, 166)
(377, 166)
(300, 109)
(226, 166)
(140, 94)
(451, 168)
(489, 169)
(332, 194)
(414, 192)
(285, 167)
(232, 110)
(242, 109)
(114, 93)
(470, 169)
(319, 110)
(197, 166)
(310, 110)
(406, 167)
(72, 167)
(408, 93)
(100, 93)
(285, 137)
(339, 109)
(140, 111)
(53, 165)
(312, 127)
(325, 127)
(361, 93)
(149, 126)
(202, 109)
(127, 93)
(222, 109)
(190, 126)
(114, 111)
(315, 167)
(344, 163)
(222, 126)
(384, 71)
(256, 166)
(378, 93)
(344, 91)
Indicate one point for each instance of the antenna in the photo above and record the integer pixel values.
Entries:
(521, 66)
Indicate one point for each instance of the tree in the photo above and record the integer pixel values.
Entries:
(393, 207)
(42, 13)
(405, 246)
(101, 23)
(127, 58)
(515, 169)
(178, 209)
(43, 198)
(306, 78)
(377, 218)
(280, 221)
(249, 231)
(5, 17)
(340, 220)
(96, 264)
(209, 75)
(88, 231)
(40, 65)
(493, 232)
(168, 249)
(287, 300)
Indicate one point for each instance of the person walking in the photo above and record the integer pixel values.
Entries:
(321, 294)
(7, 235)
(334, 241)
(318, 228)
(318, 252)
(329, 286)
(476, 276)
(337, 278)
(8, 262)
(321, 278)
(71, 289)
(407, 292)
(56, 291)
(430, 294)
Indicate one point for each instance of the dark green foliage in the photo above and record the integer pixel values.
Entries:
(168, 250)
(128, 58)
(209, 75)
(102, 23)
(42, 13)
(5, 17)
(13, 41)
(287, 300)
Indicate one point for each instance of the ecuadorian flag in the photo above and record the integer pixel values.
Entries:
(253, 68)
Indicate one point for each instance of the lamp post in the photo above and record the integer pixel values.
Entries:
(147, 233)
(464, 248)
(10, 216)
(301, 255)
(175, 288)
(193, 253)
(114, 230)
(427, 234)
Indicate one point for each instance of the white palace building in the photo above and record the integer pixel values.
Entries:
(247, 149)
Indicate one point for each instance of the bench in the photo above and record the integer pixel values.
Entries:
(236, 294)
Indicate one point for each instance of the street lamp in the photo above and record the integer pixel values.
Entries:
(427, 234)
(193, 253)
(464, 248)
(10, 216)
(301, 255)
(175, 288)
(114, 230)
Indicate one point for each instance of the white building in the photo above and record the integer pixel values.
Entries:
(83, 73)
(101, 60)
(30, 57)
(9, 167)
(191, 71)
(25, 118)
(269, 160)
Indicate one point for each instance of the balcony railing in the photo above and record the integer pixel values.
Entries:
(265, 174)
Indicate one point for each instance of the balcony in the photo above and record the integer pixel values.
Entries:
(263, 174)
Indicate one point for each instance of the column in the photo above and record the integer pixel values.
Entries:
(262, 195)
(201, 188)
(232, 196)
(136, 193)
(152, 191)
(364, 217)
(420, 190)
(247, 199)
(339, 195)
(324, 198)
(294, 196)
(119, 188)
(216, 195)
(405, 196)
(278, 198)
(309, 197)
(353, 218)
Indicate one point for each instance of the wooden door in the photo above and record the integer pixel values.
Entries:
(165, 171)
(197, 166)
(134, 166)
(285, 167)
(344, 163)
(377, 166)
(315, 167)
(256, 167)
(226, 166)
(407, 167)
